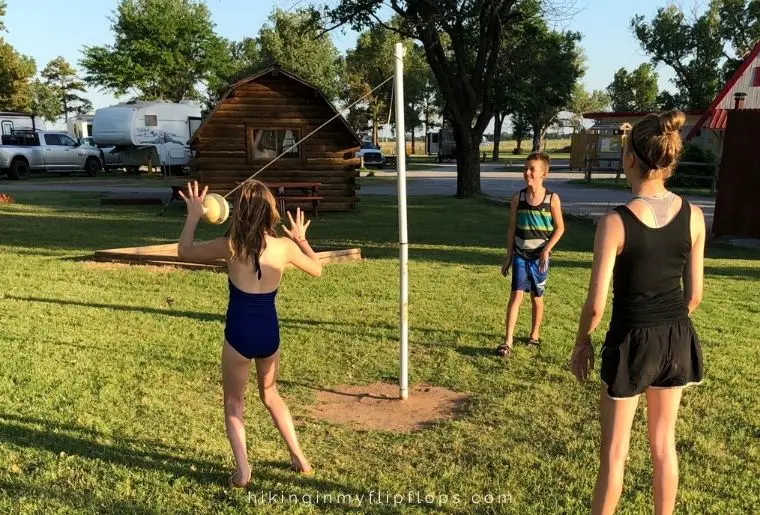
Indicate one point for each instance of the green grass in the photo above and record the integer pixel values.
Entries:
(110, 395)
(610, 184)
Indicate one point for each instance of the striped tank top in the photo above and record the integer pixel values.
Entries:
(534, 227)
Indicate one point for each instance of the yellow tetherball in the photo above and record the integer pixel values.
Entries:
(217, 209)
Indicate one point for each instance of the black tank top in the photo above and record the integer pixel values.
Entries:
(646, 281)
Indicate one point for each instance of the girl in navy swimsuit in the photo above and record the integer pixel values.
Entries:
(652, 250)
(256, 259)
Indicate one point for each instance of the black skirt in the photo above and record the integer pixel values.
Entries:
(662, 356)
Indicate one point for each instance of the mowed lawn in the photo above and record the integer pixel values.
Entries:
(110, 394)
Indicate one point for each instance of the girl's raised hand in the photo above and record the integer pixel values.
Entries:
(297, 231)
(194, 200)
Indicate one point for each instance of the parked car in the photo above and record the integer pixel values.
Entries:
(25, 151)
(372, 155)
(108, 155)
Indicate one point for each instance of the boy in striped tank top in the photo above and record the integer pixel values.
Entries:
(535, 227)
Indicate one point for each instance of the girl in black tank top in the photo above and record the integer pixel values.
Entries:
(655, 264)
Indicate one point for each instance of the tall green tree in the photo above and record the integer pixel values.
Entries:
(520, 130)
(3, 7)
(45, 101)
(367, 66)
(292, 41)
(546, 86)
(581, 101)
(62, 80)
(634, 91)
(462, 42)
(694, 50)
(163, 49)
(16, 73)
(739, 22)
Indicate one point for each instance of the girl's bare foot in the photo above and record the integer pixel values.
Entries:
(240, 478)
(300, 465)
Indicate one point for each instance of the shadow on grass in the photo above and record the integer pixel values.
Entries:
(333, 326)
(736, 272)
(15, 430)
(439, 221)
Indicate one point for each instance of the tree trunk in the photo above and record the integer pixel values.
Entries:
(427, 131)
(468, 160)
(536, 138)
(497, 125)
(412, 152)
(374, 132)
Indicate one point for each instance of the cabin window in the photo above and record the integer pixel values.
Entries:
(151, 120)
(265, 144)
(7, 128)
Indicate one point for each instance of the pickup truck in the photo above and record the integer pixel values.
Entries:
(24, 151)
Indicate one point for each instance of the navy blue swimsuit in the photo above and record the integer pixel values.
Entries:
(252, 328)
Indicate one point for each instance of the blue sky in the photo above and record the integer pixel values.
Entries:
(62, 27)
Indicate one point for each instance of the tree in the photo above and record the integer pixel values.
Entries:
(16, 72)
(367, 66)
(162, 50)
(293, 42)
(416, 84)
(3, 7)
(520, 131)
(462, 42)
(582, 101)
(239, 60)
(546, 86)
(509, 76)
(739, 24)
(45, 101)
(634, 91)
(693, 50)
(62, 79)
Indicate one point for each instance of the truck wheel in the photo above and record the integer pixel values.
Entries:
(176, 170)
(92, 167)
(19, 170)
(133, 170)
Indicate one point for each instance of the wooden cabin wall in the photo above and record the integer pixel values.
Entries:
(327, 157)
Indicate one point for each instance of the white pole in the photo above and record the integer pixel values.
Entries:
(402, 234)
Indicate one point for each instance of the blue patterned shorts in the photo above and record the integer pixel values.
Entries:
(526, 275)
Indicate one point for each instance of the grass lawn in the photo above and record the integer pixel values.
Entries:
(622, 185)
(110, 394)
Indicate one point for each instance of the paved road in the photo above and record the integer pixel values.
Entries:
(441, 180)
(576, 199)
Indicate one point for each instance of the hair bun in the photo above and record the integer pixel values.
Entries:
(671, 122)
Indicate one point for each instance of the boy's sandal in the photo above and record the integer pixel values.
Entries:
(534, 341)
(231, 481)
(504, 350)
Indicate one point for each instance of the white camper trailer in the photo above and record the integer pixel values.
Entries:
(154, 133)
(442, 144)
(12, 121)
(80, 126)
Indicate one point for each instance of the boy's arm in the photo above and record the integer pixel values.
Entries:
(511, 228)
(559, 224)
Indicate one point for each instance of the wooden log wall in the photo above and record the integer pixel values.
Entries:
(268, 102)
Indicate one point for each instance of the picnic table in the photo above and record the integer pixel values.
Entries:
(285, 192)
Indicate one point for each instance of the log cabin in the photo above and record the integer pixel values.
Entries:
(262, 116)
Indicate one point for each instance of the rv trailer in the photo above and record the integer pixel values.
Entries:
(154, 133)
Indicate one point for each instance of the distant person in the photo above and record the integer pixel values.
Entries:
(535, 227)
(256, 259)
(646, 247)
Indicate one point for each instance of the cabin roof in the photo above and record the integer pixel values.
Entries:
(291, 76)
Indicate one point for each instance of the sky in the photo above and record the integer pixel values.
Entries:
(63, 27)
